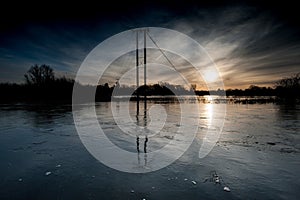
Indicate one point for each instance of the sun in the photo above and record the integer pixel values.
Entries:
(210, 75)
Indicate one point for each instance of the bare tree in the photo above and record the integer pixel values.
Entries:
(290, 82)
(39, 75)
(289, 87)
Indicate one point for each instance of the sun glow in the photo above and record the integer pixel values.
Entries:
(210, 75)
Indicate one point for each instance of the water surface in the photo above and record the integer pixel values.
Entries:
(256, 156)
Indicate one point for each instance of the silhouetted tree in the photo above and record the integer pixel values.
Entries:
(290, 82)
(289, 87)
(193, 87)
(39, 75)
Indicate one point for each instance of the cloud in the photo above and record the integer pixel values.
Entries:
(249, 46)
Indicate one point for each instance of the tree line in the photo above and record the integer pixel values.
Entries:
(41, 85)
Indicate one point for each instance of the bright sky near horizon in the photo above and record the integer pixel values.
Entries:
(251, 43)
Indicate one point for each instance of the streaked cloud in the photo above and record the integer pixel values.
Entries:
(249, 45)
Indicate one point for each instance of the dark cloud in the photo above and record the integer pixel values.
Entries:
(252, 42)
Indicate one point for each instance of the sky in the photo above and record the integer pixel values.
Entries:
(251, 43)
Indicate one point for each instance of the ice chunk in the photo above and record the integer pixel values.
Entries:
(48, 173)
(226, 189)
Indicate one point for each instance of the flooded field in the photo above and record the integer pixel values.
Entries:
(255, 157)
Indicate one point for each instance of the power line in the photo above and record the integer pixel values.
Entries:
(166, 57)
(161, 51)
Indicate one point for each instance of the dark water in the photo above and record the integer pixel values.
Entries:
(257, 157)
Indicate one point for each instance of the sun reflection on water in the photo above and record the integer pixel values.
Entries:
(209, 110)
